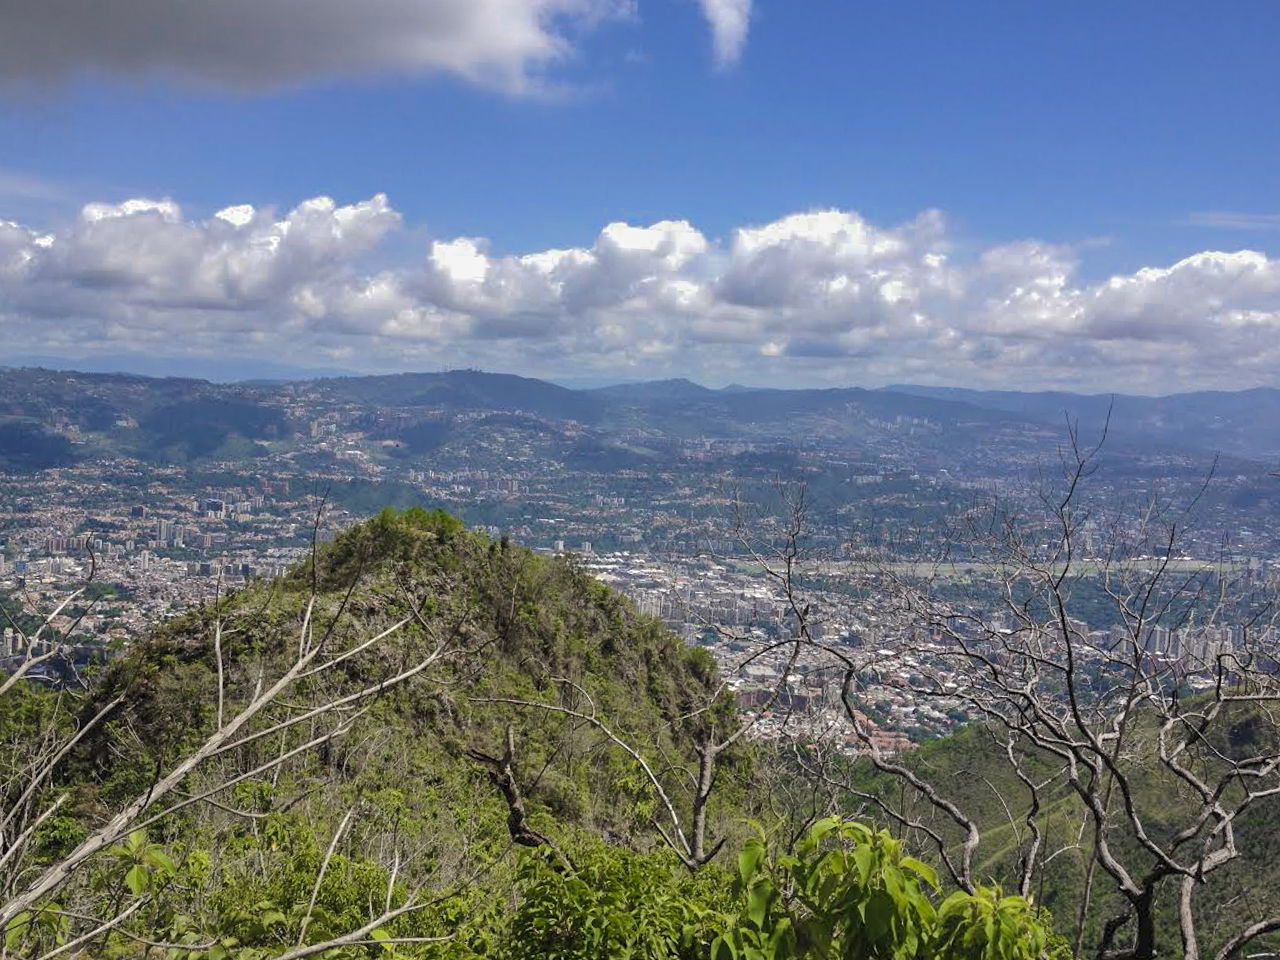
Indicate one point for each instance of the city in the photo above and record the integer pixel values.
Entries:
(152, 539)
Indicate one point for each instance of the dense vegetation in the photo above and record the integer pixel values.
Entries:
(398, 810)
(27, 447)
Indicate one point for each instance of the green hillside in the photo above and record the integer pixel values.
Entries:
(971, 769)
(409, 770)
(426, 743)
(520, 620)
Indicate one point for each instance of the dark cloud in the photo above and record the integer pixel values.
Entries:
(266, 44)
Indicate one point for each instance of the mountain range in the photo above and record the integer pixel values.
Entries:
(49, 418)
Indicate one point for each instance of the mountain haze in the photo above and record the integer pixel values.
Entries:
(1245, 423)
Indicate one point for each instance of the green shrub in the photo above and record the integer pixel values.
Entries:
(850, 892)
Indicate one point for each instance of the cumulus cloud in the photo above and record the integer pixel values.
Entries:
(729, 20)
(268, 44)
(816, 297)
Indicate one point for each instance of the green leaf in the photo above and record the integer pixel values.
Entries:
(862, 856)
(160, 860)
(137, 879)
(758, 900)
(879, 915)
(926, 872)
(17, 929)
(722, 947)
(823, 827)
(782, 932)
(381, 935)
(749, 860)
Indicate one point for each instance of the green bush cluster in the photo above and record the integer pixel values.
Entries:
(844, 891)
(851, 892)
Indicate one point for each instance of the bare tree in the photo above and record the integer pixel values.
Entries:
(1182, 691)
(280, 698)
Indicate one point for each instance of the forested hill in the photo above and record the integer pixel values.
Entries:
(399, 736)
(507, 624)
(423, 743)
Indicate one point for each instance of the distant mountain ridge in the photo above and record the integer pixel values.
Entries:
(174, 419)
(675, 389)
(1245, 422)
(203, 368)
(465, 389)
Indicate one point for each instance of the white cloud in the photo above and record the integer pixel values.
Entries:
(269, 44)
(819, 297)
(729, 20)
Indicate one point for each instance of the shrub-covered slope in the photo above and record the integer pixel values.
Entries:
(383, 735)
(428, 633)
(513, 625)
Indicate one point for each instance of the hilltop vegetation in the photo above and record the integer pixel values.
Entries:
(426, 743)
(512, 622)
(26, 446)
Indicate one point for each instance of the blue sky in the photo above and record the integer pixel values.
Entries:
(1082, 141)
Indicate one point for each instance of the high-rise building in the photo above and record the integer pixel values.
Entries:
(1155, 638)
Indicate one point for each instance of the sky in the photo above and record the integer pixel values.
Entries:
(775, 192)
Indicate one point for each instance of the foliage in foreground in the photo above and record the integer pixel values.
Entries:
(848, 891)
(842, 891)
